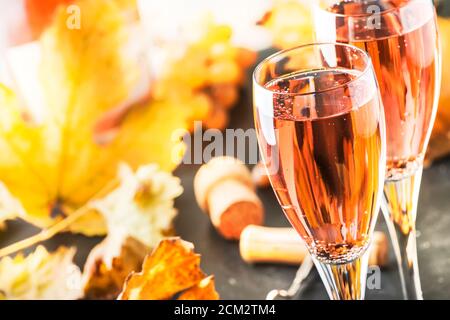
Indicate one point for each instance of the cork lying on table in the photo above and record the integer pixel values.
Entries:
(224, 190)
(284, 246)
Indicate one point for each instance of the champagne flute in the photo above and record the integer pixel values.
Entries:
(320, 128)
(402, 39)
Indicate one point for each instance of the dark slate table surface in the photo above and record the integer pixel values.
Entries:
(237, 280)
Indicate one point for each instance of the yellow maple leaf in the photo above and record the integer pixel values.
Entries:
(40, 275)
(54, 167)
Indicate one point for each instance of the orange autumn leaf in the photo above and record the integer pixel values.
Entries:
(172, 268)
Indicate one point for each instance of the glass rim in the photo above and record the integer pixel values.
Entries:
(318, 6)
(367, 68)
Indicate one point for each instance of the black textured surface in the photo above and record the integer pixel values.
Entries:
(237, 280)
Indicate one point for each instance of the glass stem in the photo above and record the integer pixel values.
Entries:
(400, 210)
(345, 281)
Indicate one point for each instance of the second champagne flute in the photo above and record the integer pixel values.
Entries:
(401, 38)
(320, 127)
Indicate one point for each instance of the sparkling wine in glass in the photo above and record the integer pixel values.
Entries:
(320, 127)
(401, 38)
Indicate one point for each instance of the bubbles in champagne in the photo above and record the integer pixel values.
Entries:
(331, 160)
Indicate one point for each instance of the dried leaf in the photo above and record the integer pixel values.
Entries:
(138, 214)
(142, 206)
(40, 275)
(171, 269)
(109, 264)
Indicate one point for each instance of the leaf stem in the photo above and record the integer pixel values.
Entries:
(45, 234)
(58, 227)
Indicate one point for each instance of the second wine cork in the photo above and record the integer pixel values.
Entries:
(284, 246)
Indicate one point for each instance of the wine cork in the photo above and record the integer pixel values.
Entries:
(272, 245)
(224, 189)
(284, 246)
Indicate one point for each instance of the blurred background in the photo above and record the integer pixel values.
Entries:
(165, 35)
